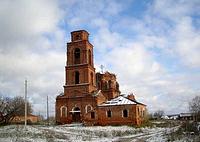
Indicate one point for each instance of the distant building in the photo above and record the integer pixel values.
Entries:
(186, 116)
(93, 98)
(30, 119)
(181, 116)
(173, 116)
(165, 117)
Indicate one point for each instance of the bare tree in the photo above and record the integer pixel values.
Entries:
(158, 114)
(194, 107)
(11, 107)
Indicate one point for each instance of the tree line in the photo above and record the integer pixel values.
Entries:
(11, 107)
(194, 107)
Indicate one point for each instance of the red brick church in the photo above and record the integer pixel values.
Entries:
(93, 98)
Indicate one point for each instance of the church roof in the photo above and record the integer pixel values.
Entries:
(120, 100)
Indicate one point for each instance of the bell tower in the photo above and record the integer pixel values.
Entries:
(79, 70)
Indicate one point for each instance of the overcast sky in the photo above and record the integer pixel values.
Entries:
(153, 46)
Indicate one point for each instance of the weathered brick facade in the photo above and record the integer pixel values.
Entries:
(93, 98)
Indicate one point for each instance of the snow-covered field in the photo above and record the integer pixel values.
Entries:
(37, 133)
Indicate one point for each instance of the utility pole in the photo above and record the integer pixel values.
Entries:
(47, 111)
(25, 120)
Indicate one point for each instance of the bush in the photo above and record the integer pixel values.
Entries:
(188, 131)
(146, 123)
(190, 127)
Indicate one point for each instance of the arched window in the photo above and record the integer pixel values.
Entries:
(99, 85)
(91, 78)
(90, 57)
(63, 111)
(77, 56)
(78, 37)
(125, 113)
(117, 85)
(109, 84)
(88, 108)
(105, 85)
(143, 113)
(77, 75)
(76, 109)
(109, 113)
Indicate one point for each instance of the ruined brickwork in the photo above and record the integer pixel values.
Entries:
(93, 98)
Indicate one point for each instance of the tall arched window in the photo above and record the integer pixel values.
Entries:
(99, 85)
(109, 84)
(88, 108)
(117, 85)
(77, 54)
(90, 57)
(91, 78)
(105, 85)
(78, 37)
(63, 111)
(125, 113)
(77, 77)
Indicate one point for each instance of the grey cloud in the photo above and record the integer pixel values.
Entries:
(26, 50)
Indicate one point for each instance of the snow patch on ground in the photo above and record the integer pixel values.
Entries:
(36, 133)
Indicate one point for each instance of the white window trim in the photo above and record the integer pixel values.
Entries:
(86, 108)
(61, 111)
(123, 113)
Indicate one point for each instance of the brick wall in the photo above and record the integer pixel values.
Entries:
(117, 117)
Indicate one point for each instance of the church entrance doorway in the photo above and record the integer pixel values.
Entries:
(76, 117)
